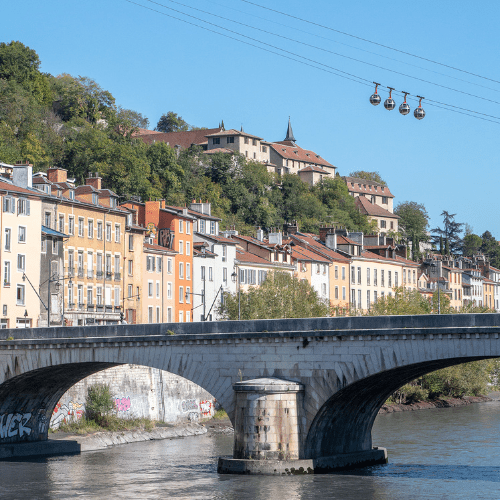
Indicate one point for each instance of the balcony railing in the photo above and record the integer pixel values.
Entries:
(118, 276)
(70, 271)
(109, 275)
(109, 309)
(90, 307)
(80, 272)
(99, 275)
(99, 308)
(90, 273)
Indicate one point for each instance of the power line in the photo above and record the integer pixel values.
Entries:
(370, 41)
(318, 48)
(310, 62)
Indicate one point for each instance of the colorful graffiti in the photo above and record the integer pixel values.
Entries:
(189, 405)
(67, 412)
(122, 404)
(14, 424)
(206, 409)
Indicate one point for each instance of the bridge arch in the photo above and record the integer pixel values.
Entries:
(344, 423)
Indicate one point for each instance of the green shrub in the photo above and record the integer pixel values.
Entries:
(99, 403)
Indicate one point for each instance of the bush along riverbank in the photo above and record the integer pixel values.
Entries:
(436, 403)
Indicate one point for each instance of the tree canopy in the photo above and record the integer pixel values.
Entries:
(451, 232)
(413, 224)
(369, 176)
(171, 122)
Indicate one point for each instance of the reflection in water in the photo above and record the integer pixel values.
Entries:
(434, 454)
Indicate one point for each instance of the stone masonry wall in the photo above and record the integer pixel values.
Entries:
(140, 391)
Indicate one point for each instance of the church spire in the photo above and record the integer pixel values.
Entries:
(289, 132)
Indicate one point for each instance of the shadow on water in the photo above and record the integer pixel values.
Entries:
(430, 471)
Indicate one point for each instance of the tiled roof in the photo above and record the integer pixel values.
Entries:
(52, 232)
(232, 131)
(7, 186)
(183, 139)
(219, 239)
(356, 185)
(303, 254)
(192, 213)
(313, 168)
(248, 257)
(218, 150)
(299, 154)
(316, 246)
(369, 208)
(149, 246)
(343, 240)
(407, 262)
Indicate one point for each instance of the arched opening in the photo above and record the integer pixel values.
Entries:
(344, 423)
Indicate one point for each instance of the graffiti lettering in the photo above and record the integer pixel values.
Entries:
(122, 404)
(205, 408)
(193, 417)
(189, 405)
(64, 413)
(166, 238)
(14, 424)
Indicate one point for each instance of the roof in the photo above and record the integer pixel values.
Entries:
(218, 150)
(183, 139)
(149, 246)
(289, 132)
(407, 262)
(297, 153)
(218, 239)
(313, 168)
(364, 186)
(302, 254)
(249, 258)
(368, 208)
(52, 232)
(192, 213)
(343, 240)
(7, 186)
(316, 246)
(232, 131)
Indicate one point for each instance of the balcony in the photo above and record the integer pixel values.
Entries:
(90, 274)
(99, 275)
(109, 309)
(80, 272)
(118, 276)
(99, 308)
(109, 276)
(90, 307)
(118, 309)
(70, 271)
(71, 305)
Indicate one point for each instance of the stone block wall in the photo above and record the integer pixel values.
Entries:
(140, 391)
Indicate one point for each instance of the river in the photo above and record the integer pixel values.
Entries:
(434, 454)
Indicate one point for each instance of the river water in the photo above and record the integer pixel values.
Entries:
(434, 454)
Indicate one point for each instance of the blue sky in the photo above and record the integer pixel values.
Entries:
(152, 63)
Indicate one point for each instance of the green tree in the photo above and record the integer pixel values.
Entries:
(491, 248)
(452, 231)
(166, 173)
(280, 296)
(171, 122)
(472, 244)
(413, 224)
(369, 176)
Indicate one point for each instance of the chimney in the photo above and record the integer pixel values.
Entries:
(275, 238)
(196, 207)
(206, 208)
(357, 237)
(55, 174)
(260, 234)
(331, 241)
(94, 180)
(292, 228)
(22, 175)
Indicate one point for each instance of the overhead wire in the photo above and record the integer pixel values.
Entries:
(306, 61)
(370, 41)
(318, 48)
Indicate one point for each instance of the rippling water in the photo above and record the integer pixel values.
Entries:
(433, 454)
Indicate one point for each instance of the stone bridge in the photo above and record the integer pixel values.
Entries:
(334, 373)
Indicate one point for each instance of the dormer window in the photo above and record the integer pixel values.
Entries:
(95, 198)
(71, 194)
(112, 202)
(129, 219)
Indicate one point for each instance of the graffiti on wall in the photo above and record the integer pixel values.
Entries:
(73, 410)
(14, 424)
(205, 409)
(189, 405)
(122, 404)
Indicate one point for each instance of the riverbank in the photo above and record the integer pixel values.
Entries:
(437, 403)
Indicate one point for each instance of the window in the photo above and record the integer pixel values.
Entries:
(264, 149)
(318, 268)
(404, 275)
(90, 296)
(384, 201)
(20, 295)
(210, 274)
(150, 314)
(9, 204)
(99, 230)
(382, 281)
(374, 277)
(202, 226)
(224, 253)
(216, 140)
(188, 227)
(414, 278)
(130, 267)
(188, 271)
(359, 275)
(157, 289)
(23, 206)
(108, 266)
(61, 223)
(80, 295)
(262, 276)
(389, 278)
(243, 276)
(117, 233)
(44, 244)
(188, 295)
(254, 142)
(181, 226)
(108, 232)
(90, 228)
(324, 268)
(169, 265)
(181, 294)
(368, 299)
(343, 293)
(99, 295)
(395, 278)
(181, 316)
(150, 264)
(336, 292)
(150, 288)
(254, 155)
(212, 227)
(47, 219)
(71, 225)
(188, 248)
(230, 140)
(224, 275)
(392, 224)
(8, 234)
(99, 265)
(157, 314)
(336, 272)
(181, 270)
(130, 243)
(382, 224)
(251, 277)
(323, 289)
(6, 273)
(368, 276)
(169, 290)
(181, 247)
(353, 274)
(117, 267)
(343, 273)
(375, 296)
(55, 246)
(81, 223)
(80, 264)
(22, 234)
(202, 273)
(359, 299)
(95, 198)
(130, 291)
(117, 296)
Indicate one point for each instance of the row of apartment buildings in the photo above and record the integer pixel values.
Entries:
(74, 255)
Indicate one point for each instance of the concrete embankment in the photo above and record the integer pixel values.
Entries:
(437, 403)
(67, 444)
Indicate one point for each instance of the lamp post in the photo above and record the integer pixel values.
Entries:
(202, 295)
(434, 264)
(236, 279)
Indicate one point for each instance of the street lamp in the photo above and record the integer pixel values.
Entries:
(234, 277)
(434, 264)
(202, 295)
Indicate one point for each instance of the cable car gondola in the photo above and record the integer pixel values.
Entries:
(375, 99)
(419, 112)
(404, 109)
(389, 102)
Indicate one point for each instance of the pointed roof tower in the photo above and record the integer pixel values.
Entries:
(222, 125)
(289, 132)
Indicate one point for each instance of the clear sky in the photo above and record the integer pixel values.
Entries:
(153, 63)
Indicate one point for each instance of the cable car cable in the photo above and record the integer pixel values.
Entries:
(370, 41)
